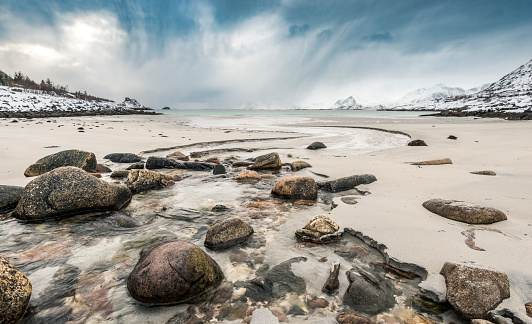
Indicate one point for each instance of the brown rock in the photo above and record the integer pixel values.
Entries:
(319, 230)
(214, 160)
(97, 175)
(317, 303)
(407, 316)
(175, 154)
(141, 180)
(119, 174)
(101, 168)
(15, 292)
(267, 162)
(352, 318)
(248, 176)
(332, 283)
(528, 307)
(434, 162)
(227, 233)
(485, 172)
(474, 290)
(241, 164)
(480, 321)
(464, 212)
(299, 165)
(76, 158)
(293, 187)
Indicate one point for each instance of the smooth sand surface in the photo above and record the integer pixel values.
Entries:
(392, 215)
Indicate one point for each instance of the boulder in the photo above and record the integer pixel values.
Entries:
(320, 229)
(464, 212)
(15, 292)
(9, 197)
(172, 272)
(123, 157)
(248, 176)
(218, 169)
(155, 162)
(266, 162)
(316, 146)
(76, 158)
(66, 191)
(120, 174)
(136, 165)
(434, 162)
(141, 180)
(369, 292)
(227, 233)
(484, 172)
(417, 143)
(299, 165)
(474, 290)
(346, 183)
(293, 187)
(101, 168)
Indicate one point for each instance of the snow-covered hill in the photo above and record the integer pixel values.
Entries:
(348, 103)
(421, 97)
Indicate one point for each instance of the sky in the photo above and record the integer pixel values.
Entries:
(261, 53)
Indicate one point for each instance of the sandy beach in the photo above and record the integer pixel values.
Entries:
(391, 215)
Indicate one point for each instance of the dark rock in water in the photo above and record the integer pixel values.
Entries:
(120, 174)
(155, 162)
(76, 158)
(474, 290)
(270, 161)
(485, 172)
(223, 294)
(464, 212)
(137, 165)
(141, 180)
(122, 220)
(172, 272)
(123, 157)
(228, 233)
(293, 187)
(316, 146)
(66, 191)
(9, 197)
(452, 137)
(320, 229)
(219, 208)
(218, 169)
(352, 318)
(346, 183)
(296, 310)
(417, 143)
(332, 283)
(103, 168)
(299, 165)
(15, 292)
(368, 292)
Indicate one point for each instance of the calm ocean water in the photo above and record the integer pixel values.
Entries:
(287, 112)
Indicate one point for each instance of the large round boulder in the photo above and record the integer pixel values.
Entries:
(141, 180)
(474, 290)
(227, 233)
(320, 229)
(15, 292)
(293, 187)
(67, 191)
(270, 161)
(123, 157)
(76, 158)
(172, 272)
(464, 212)
(9, 197)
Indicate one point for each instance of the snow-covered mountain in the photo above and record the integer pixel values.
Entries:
(348, 103)
(420, 97)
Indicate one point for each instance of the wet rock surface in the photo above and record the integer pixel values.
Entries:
(219, 169)
(346, 183)
(66, 191)
(227, 233)
(76, 158)
(293, 187)
(248, 176)
(316, 146)
(320, 229)
(171, 272)
(464, 212)
(368, 292)
(15, 292)
(270, 161)
(9, 197)
(474, 290)
(141, 180)
(123, 157)
(155, 162)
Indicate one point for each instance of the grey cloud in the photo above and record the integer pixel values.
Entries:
(296, 30)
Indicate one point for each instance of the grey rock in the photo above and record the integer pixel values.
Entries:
(346, 183)
(332, 283)
(316, 146)
(218, 169)
(417, 143)
(368, 292)
(9, 197)
(227, 233)
(76, 158)
(270, 161)
(137, 165)
(155, 162)
(123, 157)
(120, 174)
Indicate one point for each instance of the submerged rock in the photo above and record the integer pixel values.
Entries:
(346, 183)
(266, 162)
(123, 157)
(316, 146)
(172, 272)
(15, 292)
(474, 290)
(227, 233)
(299, 165)
(155, 162)
(141, 180)
(434, 162)
(218, 169)
(66, 191)
(293, 187)
(248, 176)
(76, 158)
(417, 143)
(368, 292)
(9, 197)
(320, 229)
(464, 212)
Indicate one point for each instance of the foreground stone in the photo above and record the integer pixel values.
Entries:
(485, 172)
(9, 197)
(299, 165)
(248, 176)
(172, 272)
(15, 292)
(417, 143)
(316, 146)
(76, 158)
(434, 162)
(227, 233)
(474, 290)
(369, 293)
(270, 161)
(528, 308)
(142, 180)
(346, 183)
(155, 162)
(123, 157)
(464, 212)
(67, 191)
(293, 187)
(320, 229)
